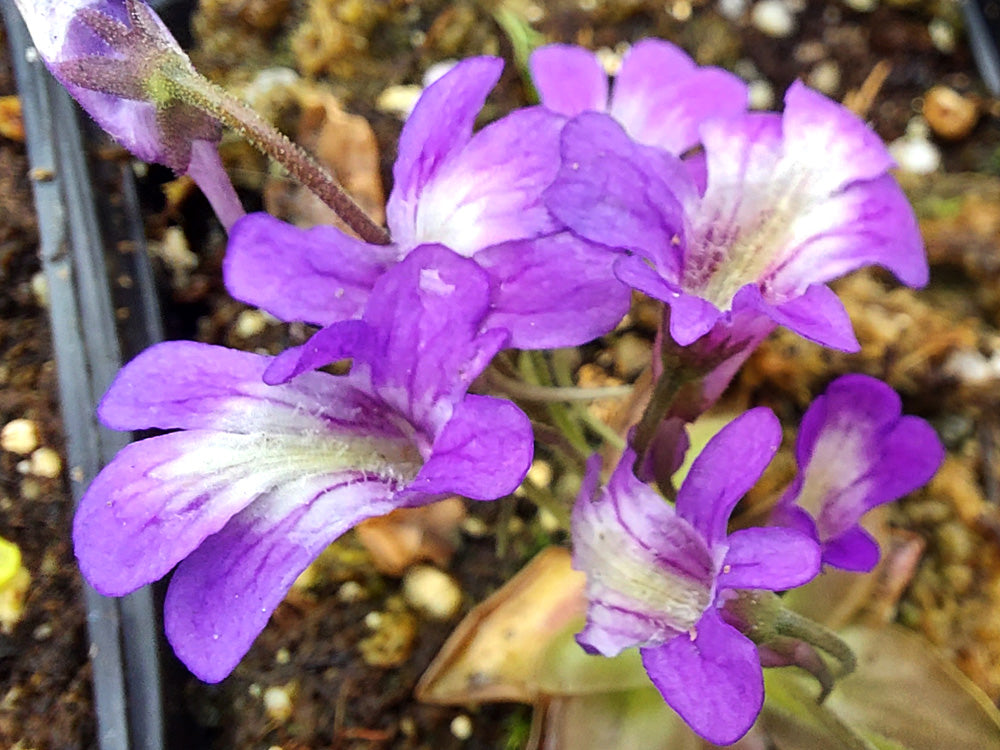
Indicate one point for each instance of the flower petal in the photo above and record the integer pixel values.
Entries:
(713, 681)
(662, 97)
(185, 384)
(222, 595)
(419, 344)
(856, 451)
(776, 215)
(772, 558)
(317, 275)
(426, 315)
(615, 192)
(649, 573)
(554, 291)
(870, 222)
(727, 467)
(817, 128)
(440, 125)
(159, 498)
(490, 191)
(483, 452)
(569, 79)
(854, 550)
(817, 315)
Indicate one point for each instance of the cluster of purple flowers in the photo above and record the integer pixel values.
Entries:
(530, 233)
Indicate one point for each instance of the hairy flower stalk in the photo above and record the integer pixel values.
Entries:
(197, 91)
(121, 63)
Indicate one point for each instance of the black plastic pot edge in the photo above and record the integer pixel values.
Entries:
(123, 632)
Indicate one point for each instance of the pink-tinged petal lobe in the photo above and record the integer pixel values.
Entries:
(317, 275)
(817, 127)
(222, 595)
(866, 223)
(440, 124)
(728, 466)
(483, 452)
(553, 291)
(661, 97)
(569, 79)
(773, 559)
(490, 191)
(713, 680)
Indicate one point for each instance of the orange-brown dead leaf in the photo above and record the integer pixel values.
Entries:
(411, 535)
(495, 651)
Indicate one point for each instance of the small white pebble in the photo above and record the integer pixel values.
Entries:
(548, 521)
(461, 727)
(351, 591)
(282, 656)
(398, 100)
(40, 289)
(610, 60)
(373, 620)
(31, 489)
(914, 152)
(732, 9)
(432, 592)
(773, 18)
(278, 704)
(825, 77)
(761, 94)
(475, 527)
(942, 35)
(540, 473)
(19, 436)
(250, 323)
(45, 462)
(438, 70)
(862, 6)
(43, 632)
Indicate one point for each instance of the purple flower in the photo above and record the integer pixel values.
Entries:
(660, 96)
(774, 207)
(855, 451)
(258, 479)
(658, 574)
(478, 194)
(109, 54)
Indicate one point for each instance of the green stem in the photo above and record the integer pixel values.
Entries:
(534, 370)
(664, 395)
(201, 93)
(548, 394)
(543, 498)
(794, 625)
